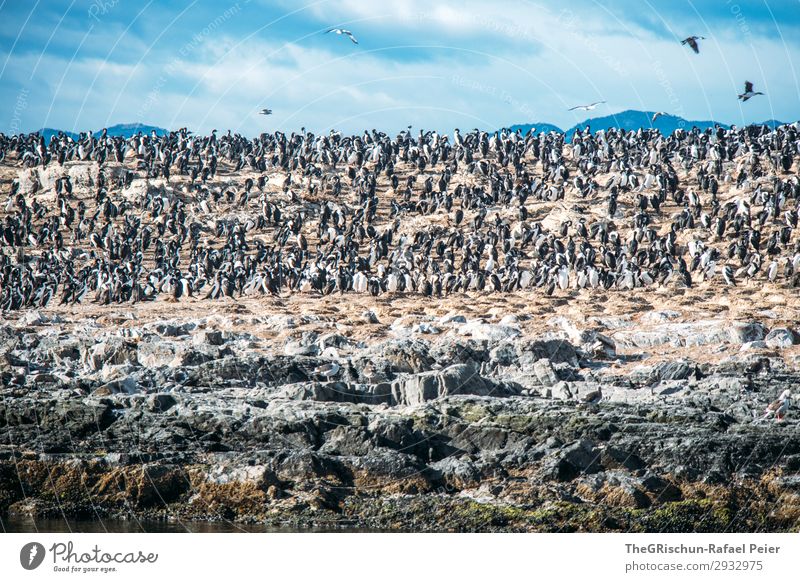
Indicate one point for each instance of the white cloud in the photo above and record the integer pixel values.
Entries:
(491, 82)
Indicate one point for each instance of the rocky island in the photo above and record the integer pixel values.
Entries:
(552, 336)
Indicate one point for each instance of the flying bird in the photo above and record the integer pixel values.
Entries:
(586, 107)
(692, 42)
(266, 112)
(657, 114)
(748, 92)
(341, 31)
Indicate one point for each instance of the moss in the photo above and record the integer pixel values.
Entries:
(517, 422)
(470, 412)
(693, 515)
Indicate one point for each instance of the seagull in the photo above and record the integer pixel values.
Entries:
(266, 112)
(586, 107)
(328, 370)
(748, 92)
(657, 114)
(692, 42)
(779, 407)
(341, 31)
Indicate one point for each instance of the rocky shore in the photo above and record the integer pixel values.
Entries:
(450, 422)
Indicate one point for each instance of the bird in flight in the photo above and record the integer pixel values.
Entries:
(341, 31)
(657, 114)
(692, 42)
(266, 112)
(586, 107)
(748, 92)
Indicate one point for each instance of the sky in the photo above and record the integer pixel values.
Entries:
(435, 64)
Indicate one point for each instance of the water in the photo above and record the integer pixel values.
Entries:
(24, 524)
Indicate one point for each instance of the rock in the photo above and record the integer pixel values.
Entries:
(406, 355)
(592, 342)
(562, 391)
(659, 316)
(452, 318)
(348, 440)
(745, 332)
(601, 346)
(458, 472)
(295, 348)
(425, 328)
(504, 354)
(489, 331)
(333, 340)
(781, 337)
(160, 402)
(208, 337)
(661, 489)
(615, 458)
(113, 351)
(370, 317)
(545, 373)
(154, 354)
(756, 345)
(127, 385)
(32, 318)
(679, 370)
(579, 458)
(699, 333)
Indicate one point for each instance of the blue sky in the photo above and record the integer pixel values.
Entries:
(80, 64)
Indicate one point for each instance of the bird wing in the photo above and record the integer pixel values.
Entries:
(350, 34)
(576, 107)
(748, 86)
(336, 30)
(773, 406)
(693, 44)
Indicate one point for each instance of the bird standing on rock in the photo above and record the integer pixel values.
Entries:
(778, 408)
(327, 371)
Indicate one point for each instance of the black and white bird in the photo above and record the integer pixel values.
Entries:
(341, 31)
(589, 107)
(748, 92)
(692, 42)
(266, 112)
(656, 115)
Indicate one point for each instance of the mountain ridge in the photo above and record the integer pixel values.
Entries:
(631, 119)
(116, 130)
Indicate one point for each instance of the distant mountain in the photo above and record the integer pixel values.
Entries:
(632, 120)
(121, 130)
(131, 129)
(537, 127)
(773, 123)
(49, 132)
